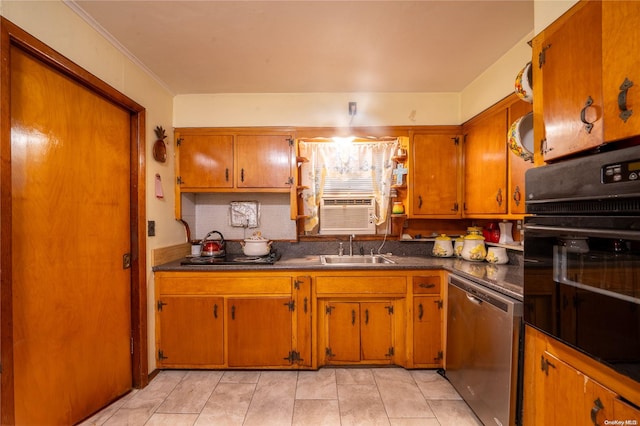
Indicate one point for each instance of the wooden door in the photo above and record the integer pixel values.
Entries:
(205, 161)
(264, 161)
(70, 231)
(561, 399)
(427, 331)
(259, 331)
(376, 331)
(436, 176)
(620, 44)
(343, 331)
(572, 88)
(191, 330)
(485, 165)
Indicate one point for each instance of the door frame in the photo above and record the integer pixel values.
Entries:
(12, 35)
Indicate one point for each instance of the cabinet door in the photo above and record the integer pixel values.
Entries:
(343, 331)
(427, 330)
(190, 330)
(620, 46)
(205, 161)
(375, 331)
(561, 397)
(572, 87)
(485, 169)
(259, 331)
(264, 161)
(435, 173)
(517, 165)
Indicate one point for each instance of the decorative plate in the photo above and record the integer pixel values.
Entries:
(520, 137)
(524, 84)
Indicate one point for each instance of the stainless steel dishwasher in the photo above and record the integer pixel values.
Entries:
(483, 350)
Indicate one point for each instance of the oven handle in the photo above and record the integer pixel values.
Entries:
(602, 233)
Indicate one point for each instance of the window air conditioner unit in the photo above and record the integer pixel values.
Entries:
(348, 215)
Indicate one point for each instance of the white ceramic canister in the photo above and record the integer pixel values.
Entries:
(442, 246)
(497, 255)
(457, 246)
(473, 248)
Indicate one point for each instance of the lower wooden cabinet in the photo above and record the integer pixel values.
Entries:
(192, 330)
(285, 320)
(560, 387)
(427, 321)
(358, 331)
(232, 320)
(259, 331)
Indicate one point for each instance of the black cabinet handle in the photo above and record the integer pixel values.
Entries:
(625, 113)
(517, 196)
(419, 201)
(499, 197)
(597, 406)
(233, 312)
(226, 174)
(353, 317)
(420, 311)
(215, 311)
(583, 112)
(242, 175)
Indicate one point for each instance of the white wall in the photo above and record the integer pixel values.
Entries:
(315, 109)
(58, 26)
(547, 11)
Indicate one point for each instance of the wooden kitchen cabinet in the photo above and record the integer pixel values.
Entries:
(230, 160)
(203, 344)
(204, 161)
(233, 320)
(436, 167)
(493, 174)
(621, 68)
(485, 164)
(259, 331)
(358, 331)
(569, 54)
(427, 322)
(563, 386)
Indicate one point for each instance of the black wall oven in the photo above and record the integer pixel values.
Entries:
(582, 256)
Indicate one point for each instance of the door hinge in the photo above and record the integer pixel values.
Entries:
(542, 56)
(328, 353)
(389, 309)
(296, 284)
(179, 141)
(455, 207)
(328, 309)
(545, 364)
(294, 356)
(291, 304)
(179, 180)
(391, 352)
(290, 141)
(161, 355)
(456, 140)
(439, 303)
(289, 181)
(439, 357)
(159, 305)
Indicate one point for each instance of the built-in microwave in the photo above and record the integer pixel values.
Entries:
(582, 256)
(348, 215)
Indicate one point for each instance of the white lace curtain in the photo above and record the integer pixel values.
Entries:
(344, 166)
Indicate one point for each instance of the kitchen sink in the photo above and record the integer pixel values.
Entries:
(336, 259)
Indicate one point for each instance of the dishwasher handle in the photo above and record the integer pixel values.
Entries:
(473, 299)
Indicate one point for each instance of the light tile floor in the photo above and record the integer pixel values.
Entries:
(329, 396)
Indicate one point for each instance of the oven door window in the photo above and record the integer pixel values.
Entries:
(586, 292)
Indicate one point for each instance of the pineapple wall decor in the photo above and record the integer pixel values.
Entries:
(159, 148)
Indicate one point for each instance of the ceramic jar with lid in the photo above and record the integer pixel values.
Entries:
(457, 246)
(442, 246)
(473, 248)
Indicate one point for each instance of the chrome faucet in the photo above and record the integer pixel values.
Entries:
(351, 237)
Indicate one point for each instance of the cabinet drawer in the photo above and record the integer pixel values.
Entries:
(374, 285)
(199, 284)
(426, 285)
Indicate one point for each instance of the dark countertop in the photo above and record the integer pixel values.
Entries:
(506, 279)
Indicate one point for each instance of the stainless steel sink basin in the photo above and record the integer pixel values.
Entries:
(334, 259)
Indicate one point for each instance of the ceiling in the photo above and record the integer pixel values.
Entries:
(308, 46)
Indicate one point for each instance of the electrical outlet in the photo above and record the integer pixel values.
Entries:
(151, 228)
(353, 108)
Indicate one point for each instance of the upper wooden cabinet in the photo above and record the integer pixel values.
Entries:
(587, 78)
(493, 175)
(210, 160)
(435, 167)
(621, 69)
